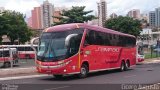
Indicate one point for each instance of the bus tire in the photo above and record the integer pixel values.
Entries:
(7, 64)
(83, 71)
(122, 68)
(58, 76)
(127, 65)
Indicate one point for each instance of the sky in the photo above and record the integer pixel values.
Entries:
(120, 7)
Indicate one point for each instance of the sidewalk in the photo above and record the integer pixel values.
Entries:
(153, 60)
(32, 70)
(17, 71)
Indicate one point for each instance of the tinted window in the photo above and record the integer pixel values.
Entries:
(90, 38)
(130, 42)
(108, 39)
(4, 53)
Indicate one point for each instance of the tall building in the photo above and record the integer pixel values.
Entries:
(1, 10)
(36, 18)
(135, 13)
(152, 19)
(102, 12)
(157, 17)
(113, 15)
(42, 16)
(56, 14)
(47, 13)
(29, 22)
(145, 17)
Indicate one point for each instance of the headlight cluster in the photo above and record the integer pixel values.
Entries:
(63, 64)
(56, 66)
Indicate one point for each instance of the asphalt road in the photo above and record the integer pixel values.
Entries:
(141, 75)
(26, 62)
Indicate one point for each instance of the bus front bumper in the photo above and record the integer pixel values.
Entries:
(61, 69)
(51, 70)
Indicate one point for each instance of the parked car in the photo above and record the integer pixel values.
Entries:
(156, 50)
(140, 58)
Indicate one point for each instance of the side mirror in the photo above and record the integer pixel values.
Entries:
(35, 41)
(68, 38)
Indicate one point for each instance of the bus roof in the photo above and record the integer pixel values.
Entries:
(65, 27)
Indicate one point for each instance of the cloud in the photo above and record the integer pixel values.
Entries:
(23, 6)
(121, 7)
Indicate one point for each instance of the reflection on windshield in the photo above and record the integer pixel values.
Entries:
(52, 45)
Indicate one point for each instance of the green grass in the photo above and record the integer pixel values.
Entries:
(154, 55)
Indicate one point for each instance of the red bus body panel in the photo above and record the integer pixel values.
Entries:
(98, 57)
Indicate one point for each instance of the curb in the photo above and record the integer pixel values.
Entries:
(16, 71)
(148, 61)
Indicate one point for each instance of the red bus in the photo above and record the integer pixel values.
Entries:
(80, 48)
(24, 51)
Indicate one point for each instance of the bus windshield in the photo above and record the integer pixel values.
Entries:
(52, 45)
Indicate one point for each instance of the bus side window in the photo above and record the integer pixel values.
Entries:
(98, 38)
(130, 42)
(1, 53)
(6, 54)
(121, 41)
(88, 38)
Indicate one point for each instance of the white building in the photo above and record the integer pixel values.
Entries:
(135, 13)
(113, 15)
(152, 17)
(1, 10)
(157, 17)
(152, 36)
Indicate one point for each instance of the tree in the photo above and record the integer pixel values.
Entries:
(124, 24)
(2, 20)
(75, 15)
(14, 26)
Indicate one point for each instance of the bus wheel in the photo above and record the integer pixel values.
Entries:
(58, 76)
(127, 65)
(122, 66)
(7, 64)
(83, 71)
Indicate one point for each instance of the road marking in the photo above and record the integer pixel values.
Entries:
(129, 76)
(57, 88)
(21, 77)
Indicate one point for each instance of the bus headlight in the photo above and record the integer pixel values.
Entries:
(64, 63)
(56, 66)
